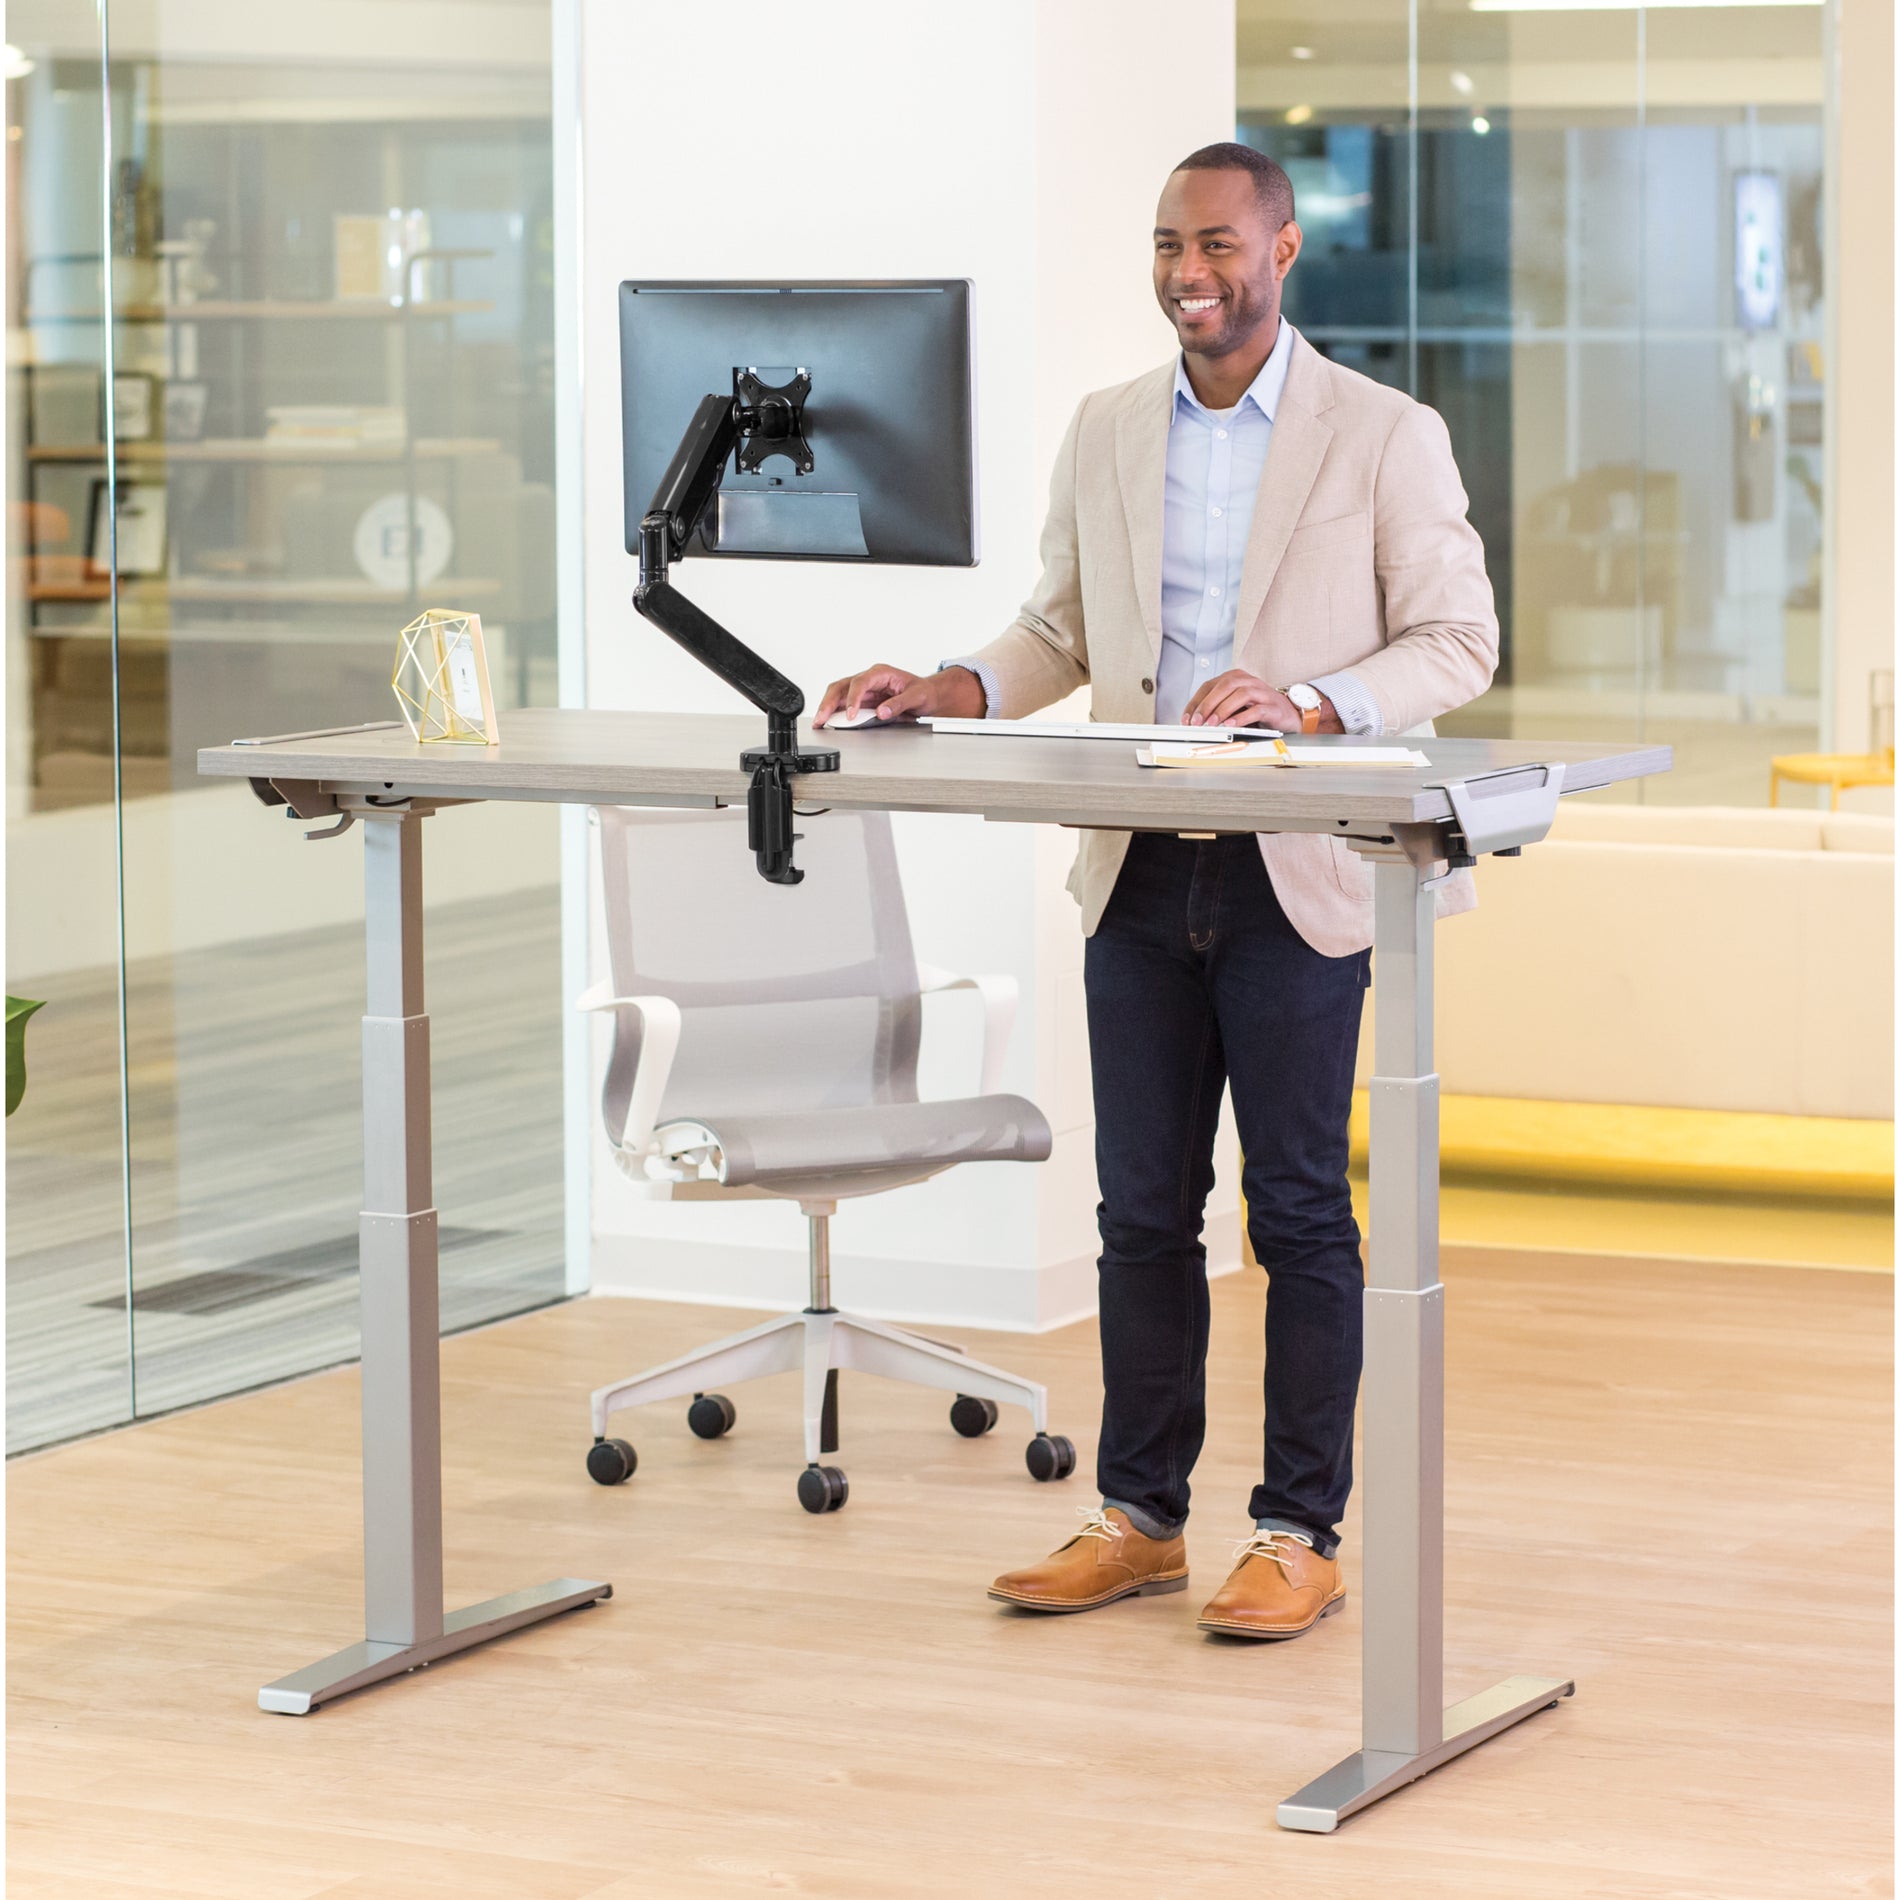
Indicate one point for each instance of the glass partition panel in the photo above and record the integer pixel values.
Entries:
(1591, 238)
(1733, 364)
(68, 1357)
(334, 406)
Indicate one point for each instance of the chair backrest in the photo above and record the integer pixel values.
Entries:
(791, 997)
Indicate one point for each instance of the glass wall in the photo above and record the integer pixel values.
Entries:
(1591, 238)
(281, 353)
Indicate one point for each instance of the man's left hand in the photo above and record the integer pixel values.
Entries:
(1235, 698)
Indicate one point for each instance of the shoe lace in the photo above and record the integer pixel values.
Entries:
(1275, 1546)
(1095, 1523)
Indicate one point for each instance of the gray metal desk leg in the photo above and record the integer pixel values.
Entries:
(1407, 1729)
(402, 1429)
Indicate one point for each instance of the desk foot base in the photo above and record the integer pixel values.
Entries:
(1372, 1774)
(365, 1663)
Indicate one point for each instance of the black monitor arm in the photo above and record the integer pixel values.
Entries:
(758, 421)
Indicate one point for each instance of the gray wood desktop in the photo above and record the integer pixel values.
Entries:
(1476, 796)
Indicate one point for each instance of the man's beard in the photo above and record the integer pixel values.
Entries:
(1245, 315)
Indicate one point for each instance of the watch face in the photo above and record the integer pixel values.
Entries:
(1303, 697)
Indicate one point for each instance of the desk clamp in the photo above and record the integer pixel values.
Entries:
(1499, 813)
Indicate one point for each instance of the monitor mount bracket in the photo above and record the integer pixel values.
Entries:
(758, 420)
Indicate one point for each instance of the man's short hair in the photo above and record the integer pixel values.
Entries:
(1271, 185)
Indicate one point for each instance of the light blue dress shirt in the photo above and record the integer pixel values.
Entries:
(1215, 458)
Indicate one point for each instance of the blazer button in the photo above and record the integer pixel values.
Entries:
(1147, 686)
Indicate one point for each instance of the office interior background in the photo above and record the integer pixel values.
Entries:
(321, 299)
(331, 268)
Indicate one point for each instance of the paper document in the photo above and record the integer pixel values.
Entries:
(1354, 755)
(1174, 752)
(1273, 752)
(1086, 729)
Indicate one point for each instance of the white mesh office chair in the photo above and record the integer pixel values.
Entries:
(765, 1043)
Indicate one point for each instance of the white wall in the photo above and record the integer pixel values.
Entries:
(1021, 144)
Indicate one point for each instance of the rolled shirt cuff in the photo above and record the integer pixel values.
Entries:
(1358, 711)
(986, 679)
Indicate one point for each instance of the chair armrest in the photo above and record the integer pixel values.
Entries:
(659, 1040)
(999, 995)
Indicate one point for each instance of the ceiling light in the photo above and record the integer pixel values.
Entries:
(18, 65)
(1299, 52)
(1620, 6)
(1298, 115)
(1461, 84)
(1480, 124)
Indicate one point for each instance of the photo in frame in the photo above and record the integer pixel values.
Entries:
(441, 680)
(134, 407)
(185, 405)
(142, 543)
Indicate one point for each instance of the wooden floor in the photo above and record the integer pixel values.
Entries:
(1672, 1481)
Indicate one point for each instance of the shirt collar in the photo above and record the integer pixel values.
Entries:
(1263, 392)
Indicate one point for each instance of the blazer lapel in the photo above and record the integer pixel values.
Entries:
(1298, 447)
(1141, 470)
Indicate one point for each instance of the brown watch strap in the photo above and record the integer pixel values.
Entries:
(1309, 718)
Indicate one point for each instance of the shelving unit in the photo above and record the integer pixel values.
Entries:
(290, 511)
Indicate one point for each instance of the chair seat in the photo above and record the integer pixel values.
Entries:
(745, 1150)
(1831, 768)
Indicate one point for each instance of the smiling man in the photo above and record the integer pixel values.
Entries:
(1250, 535)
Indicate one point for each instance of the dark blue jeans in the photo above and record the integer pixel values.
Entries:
(1195, 979)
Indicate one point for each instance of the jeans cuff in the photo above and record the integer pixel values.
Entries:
(1145, 1522)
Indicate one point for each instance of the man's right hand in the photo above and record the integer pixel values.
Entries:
(955, 693)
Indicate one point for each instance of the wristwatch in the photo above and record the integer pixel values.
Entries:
(1309, 701)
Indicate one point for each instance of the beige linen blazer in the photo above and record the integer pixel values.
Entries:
(1359, 556)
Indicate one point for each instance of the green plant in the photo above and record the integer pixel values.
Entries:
(19, 1008)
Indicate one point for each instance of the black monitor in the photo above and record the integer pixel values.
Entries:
(887, 416)
(815, 422)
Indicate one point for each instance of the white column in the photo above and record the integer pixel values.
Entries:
(1859, 580)
(1021, 144)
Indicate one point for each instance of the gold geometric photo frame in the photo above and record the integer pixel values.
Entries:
(441, 680)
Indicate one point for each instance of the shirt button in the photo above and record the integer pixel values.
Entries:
(1214, 592)
(1215, 512)
(1202, 664)
(1220, 435)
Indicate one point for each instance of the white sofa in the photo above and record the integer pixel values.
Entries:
(1678, 957)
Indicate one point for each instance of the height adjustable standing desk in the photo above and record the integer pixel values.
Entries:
(1477, 796)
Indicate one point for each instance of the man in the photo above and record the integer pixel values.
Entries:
(1251, 536)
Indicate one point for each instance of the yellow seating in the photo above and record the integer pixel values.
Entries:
(1801, 1157)
(1839, 771)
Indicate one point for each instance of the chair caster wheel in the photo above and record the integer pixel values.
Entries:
(611, 1461)
(822, 1488)
(1049, 1457)
(971, 1418)
(711, 1415)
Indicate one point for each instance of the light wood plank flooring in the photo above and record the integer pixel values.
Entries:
(1670, 1480)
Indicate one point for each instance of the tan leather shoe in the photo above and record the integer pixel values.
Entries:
(1107, 1558)
(1280, 1586)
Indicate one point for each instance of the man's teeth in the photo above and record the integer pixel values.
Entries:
(1197, 303)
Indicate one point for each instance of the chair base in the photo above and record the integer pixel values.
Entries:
(820, 1341)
